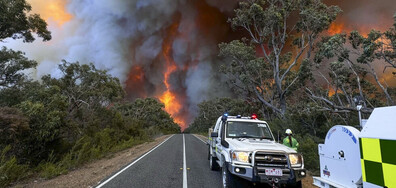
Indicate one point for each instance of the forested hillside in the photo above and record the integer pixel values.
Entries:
(291, 72)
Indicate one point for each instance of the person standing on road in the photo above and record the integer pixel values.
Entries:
(289, 141)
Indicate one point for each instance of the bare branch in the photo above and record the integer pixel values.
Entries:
(262, 100)
(294, 63)
(337, 108)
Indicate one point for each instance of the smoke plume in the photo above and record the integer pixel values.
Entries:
(157, 48)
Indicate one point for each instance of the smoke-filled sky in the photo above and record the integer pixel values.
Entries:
(159, 48)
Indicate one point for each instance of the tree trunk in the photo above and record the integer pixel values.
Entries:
(389, 100)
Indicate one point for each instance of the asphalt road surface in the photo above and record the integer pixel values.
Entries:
(179, 161)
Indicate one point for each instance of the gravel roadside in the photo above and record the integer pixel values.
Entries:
(90, 175)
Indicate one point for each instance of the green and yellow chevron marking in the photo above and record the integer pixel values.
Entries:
(378, 160)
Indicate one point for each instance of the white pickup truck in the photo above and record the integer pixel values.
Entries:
(244, 147)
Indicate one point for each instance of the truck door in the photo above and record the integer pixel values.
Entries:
(219, 147)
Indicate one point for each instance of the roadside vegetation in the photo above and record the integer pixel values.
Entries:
(288, 71)
(55, 124)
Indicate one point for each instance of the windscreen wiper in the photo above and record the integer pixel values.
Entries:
(265, 138)
(247, 136)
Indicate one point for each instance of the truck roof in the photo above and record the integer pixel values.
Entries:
(381, 124)
(246, 119)
(235, 118)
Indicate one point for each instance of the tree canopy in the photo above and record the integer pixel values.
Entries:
(268, 65)
(12, 63)
(17, 23)
(352, 60)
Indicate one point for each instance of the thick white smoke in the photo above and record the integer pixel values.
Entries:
(105, 33)
(119, 34)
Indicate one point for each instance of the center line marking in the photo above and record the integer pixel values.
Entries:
(184, 164)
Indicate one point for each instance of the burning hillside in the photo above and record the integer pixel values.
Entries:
(166, 48)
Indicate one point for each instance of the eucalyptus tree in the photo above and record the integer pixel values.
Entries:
(353, 61)
(12, 63)
(273, 60)
(84, 86)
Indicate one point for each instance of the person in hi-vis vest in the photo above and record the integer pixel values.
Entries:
(289, 141)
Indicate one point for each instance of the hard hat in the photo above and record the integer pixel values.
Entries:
(288, 131)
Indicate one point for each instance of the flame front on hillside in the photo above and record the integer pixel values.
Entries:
(169, 98)
(336, 28)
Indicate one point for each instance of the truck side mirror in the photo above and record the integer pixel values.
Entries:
(214, 134)
(225, 143)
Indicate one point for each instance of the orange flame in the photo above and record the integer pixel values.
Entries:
(331, 92)
(336, 28)
(169, 98)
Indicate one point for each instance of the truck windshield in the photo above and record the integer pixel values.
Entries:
(237, 129)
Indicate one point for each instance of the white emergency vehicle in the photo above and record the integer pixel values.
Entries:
(350, 158)
(244, 147)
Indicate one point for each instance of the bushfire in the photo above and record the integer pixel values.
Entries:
(156, 48)
(169, 98)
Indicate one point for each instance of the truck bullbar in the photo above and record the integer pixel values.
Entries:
(263, 160)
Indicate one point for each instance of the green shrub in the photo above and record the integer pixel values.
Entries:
(128, 143)
(309, 149)
(50, 168)
(10, 170)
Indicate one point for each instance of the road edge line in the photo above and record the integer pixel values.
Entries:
(200, 139)
(184, 164)
(135, 161)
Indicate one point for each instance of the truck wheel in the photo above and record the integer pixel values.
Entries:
(229, 180)
(295, 185)
(209, 155)
(213, 164)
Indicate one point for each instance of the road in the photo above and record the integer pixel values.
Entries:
(179, 161)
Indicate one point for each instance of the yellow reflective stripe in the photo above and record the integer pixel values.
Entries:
(389, 171)
(363, 170)
(371, 149)
(377, 161)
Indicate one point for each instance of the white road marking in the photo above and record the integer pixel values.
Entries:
(184, 164)
(199, 139)
(119, 172)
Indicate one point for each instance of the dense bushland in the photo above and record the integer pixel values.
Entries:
(54, 125)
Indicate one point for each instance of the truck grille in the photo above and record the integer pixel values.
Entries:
(263, 160)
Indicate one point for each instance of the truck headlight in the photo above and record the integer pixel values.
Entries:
(240, 156)
(295, 160)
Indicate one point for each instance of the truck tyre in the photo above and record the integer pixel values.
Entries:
(295, 185)
(213, 164)
(209, 155)
(229, 180)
